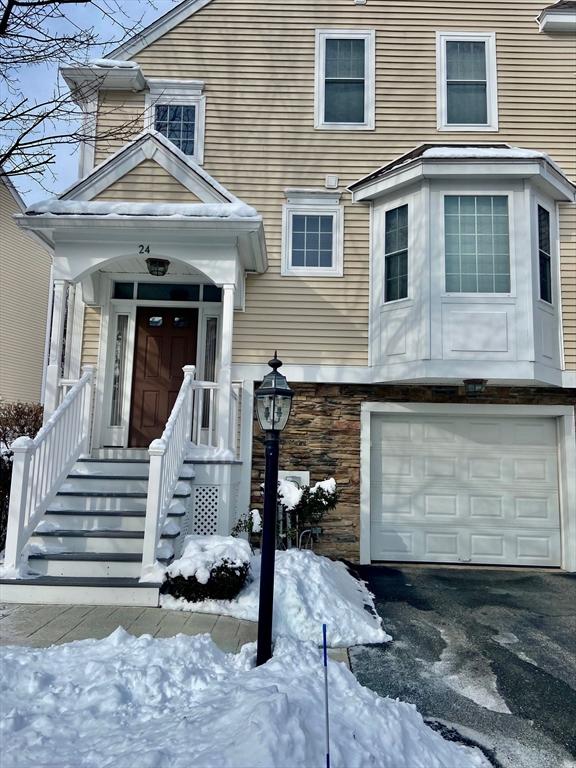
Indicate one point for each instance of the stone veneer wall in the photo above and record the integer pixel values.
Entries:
(323, 436)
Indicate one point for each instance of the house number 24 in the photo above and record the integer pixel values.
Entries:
(143, 249)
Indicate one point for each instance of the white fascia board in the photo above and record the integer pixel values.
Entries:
(557, 185)
(86, 80)
(157, 29)
(557, 21)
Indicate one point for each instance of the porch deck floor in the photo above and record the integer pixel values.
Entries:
(40, 626)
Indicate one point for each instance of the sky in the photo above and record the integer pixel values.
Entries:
(38, 82)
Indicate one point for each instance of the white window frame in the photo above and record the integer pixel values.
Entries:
(505, 192)
(178, 92)
(489, 38)
(369, 36)
(313, 203)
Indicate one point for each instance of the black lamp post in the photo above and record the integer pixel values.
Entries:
(273, 404)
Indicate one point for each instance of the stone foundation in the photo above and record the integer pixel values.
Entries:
(323, 436)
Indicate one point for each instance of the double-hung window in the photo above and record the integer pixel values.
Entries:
(466, 82)
(176, 109)
(396, 254)
(312, 239)
(477, 247)
(344, 79)
(544, 255)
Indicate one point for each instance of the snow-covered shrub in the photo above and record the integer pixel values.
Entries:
(304, 507)
(210, 568)
(16, 420)
(250, 523)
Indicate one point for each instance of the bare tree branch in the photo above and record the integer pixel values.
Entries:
(39, 32)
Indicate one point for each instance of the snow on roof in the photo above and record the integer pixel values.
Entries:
(459, 152)
(55, 207)
(561, 6)
(114, 64)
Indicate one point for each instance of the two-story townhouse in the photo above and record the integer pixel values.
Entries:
(382, 192)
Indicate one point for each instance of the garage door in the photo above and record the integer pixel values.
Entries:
(464, 489)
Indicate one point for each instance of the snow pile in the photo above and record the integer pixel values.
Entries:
(514, 153)
(309, 590)
(124, 702)
(55, 207)
(203, 553)
(114, 64)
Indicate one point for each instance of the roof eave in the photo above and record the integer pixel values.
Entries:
(557, 185)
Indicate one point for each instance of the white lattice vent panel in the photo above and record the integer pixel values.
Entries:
(205, 514)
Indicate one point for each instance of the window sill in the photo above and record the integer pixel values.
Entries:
(464, 128)
(311, 272)
(344, 127)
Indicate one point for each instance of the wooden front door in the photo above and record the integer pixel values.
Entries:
(165, 341)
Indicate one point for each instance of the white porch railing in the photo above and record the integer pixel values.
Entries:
(204, 413)
(167, 456)
(41, 464)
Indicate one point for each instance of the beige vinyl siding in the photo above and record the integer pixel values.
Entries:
(257, 61)
(91, 336)
(120, 116)
(24, 291)
(149, 183)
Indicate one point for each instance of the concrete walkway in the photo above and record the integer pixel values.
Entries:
(42, 625)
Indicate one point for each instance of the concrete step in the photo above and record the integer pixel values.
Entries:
(62, 590)
(87, 564)
(105, 484)
(91, 500)
(120, 542)
(130, 520)
(98, 467)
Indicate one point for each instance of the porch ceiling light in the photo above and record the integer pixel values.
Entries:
(157, 267)
(273, 399)
(474, 386)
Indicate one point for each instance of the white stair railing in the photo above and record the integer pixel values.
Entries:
(41, 464)
(167, 456)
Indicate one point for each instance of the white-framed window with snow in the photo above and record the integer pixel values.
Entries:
(466, 87)
(177, 110)
(345, 79)
(312, 242)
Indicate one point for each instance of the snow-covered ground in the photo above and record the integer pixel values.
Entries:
(127, 702)
(309, 591)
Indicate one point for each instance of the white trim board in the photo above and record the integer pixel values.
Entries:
(437, 372)
(157, 29)
(566, 458)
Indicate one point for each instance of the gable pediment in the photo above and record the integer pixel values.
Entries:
(149, 169)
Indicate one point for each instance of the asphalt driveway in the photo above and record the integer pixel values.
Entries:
(490, 653)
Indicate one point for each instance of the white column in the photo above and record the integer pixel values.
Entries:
(55, 354)
(225, 374)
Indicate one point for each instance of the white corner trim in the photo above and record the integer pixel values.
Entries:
(489, 38)
(88, 143)
(369, 36)
(178, 92)
(157, 29)
(566, 459)
(314, 207)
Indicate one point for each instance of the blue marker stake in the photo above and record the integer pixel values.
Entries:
(326, 696)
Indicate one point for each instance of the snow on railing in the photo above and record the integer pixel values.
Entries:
(167, 456)
(41, 464)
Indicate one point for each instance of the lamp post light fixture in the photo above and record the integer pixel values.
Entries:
(273, 404)
(474, 387)
(157, 267)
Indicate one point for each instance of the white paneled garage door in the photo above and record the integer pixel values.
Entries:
(466, 489)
